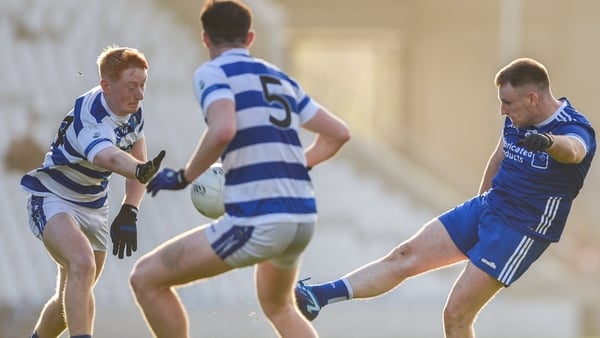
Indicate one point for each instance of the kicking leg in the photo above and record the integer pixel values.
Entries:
(430, 248)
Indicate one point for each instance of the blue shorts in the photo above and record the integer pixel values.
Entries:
(491, 245)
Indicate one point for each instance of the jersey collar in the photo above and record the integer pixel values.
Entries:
(113, 116)
(553, 116)
(237, 51)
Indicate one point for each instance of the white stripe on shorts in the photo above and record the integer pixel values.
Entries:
(515, 260)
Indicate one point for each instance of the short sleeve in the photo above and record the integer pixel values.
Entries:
(210, 85)
(93, 139)
(582, 133)
(307, 107)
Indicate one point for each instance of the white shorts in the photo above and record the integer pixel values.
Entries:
(244, 245)
(93, 222)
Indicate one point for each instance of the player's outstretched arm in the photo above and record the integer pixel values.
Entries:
(145, 171)
(122, 163)
(562, 148)
(567, 149)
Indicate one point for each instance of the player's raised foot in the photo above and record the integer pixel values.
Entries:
(306, 300)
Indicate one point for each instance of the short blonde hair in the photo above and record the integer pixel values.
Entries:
(523, 71)
(114, 59)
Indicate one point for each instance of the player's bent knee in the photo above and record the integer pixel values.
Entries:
(82, 265)
(402, 258)
(455, 318)
(276, 309)
(138, 279)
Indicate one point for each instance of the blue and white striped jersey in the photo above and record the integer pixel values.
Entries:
(265, 168)
(67, 170)
(531, 191)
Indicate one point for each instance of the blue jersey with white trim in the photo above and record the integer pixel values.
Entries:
(265, 168)
(67, 170)
(533, 192)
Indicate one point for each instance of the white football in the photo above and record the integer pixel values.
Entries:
(207, 192)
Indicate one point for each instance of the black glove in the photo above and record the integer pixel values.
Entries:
(536, 142)
(123, 231)
(144, 172)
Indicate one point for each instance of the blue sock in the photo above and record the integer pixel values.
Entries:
(332, 292)
(83, 336)
(35, 335)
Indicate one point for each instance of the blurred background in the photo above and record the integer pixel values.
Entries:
(409, 76)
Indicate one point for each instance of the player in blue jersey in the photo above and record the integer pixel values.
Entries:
(67, 203)
(525, 195)
(253, 113)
